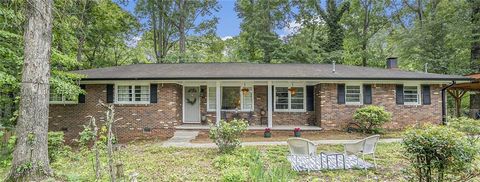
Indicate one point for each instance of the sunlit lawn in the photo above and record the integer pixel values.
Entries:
(154, 163)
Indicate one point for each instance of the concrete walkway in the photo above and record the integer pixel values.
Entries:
(182, 138)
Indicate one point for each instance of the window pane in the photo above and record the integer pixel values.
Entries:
(410, 94)
(230, 98)
(297, 99)
(142, 93)
(352, 94)
(281, 94)
(212, 94)
(248, 99)
(124, 93)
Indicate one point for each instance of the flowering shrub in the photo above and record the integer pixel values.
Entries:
(267, 130)
(226, 135)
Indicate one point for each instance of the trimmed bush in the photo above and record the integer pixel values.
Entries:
(226, 135)
(438, 153)
(371, 118)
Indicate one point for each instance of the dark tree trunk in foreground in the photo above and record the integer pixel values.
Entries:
(30, 157)
(475, 52)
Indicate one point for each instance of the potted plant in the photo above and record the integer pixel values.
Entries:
(296, 132)
(267, 133)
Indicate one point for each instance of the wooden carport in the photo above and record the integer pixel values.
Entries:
(457, 91)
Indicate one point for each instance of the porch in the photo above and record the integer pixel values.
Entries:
(253, 128)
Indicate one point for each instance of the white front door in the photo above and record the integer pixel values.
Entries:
(191, 103)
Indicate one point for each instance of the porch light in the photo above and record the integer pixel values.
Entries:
(293, 91)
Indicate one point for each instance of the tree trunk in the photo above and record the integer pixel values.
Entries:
(182, 4)
(475, 52)
(30, 157)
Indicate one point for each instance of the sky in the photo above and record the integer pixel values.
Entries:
(229, 23)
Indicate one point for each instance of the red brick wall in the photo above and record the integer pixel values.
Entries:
(335, 116)
(161, 117)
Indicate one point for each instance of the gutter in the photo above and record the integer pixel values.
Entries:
(444, 102)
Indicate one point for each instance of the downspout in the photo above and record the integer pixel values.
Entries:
(444, 103)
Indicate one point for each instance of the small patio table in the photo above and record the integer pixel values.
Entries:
(336, 155)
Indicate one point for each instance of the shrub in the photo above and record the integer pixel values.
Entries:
(226, 135)
(56, 145)
(438, 153)
(469, 126)
(371, 118)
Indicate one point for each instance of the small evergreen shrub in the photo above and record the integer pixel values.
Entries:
(226, 135)
(371, 118)
(438, 153)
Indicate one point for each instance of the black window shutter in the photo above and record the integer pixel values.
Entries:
(367, 94)
(426, 95)
(81, 97)
(341, 93)
(399, 94)
(310, 98)
(110, 93)
(273, 98)
(153, 93)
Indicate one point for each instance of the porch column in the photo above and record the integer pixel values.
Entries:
(270, 104)
(218, 104)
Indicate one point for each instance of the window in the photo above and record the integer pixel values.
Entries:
(133, 94)
(61, 99)
(410, 95)
(353, 94)
(285, 101)
(232, 98)
(212, 99)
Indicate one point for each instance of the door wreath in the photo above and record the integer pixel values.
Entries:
(192, 99)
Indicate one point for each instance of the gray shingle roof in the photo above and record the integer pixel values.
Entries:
(212, 71)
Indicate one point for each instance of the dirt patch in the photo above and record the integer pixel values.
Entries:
(257, 136)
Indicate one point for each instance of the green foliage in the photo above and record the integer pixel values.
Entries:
(438, 153)
(226, 135)
(56, 145)
(371, 118)
(469, 126)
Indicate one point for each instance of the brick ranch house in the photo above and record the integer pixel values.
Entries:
(156, 99)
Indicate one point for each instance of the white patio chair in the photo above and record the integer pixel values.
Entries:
(364, 147)
(300, 146)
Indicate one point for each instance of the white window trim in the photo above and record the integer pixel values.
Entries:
(133, 94)
(241, 98)
(208, 99)
(290, 100)
(419, 95)
(64, 101)
(361, 95)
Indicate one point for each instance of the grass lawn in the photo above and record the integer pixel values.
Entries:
(155, 163)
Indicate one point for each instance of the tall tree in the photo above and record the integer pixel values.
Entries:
(30, 157)
(475, 50)
(170, 22)
(365, 19)
(331, 16)
(260, 19)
